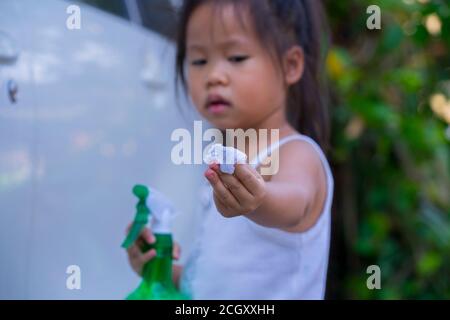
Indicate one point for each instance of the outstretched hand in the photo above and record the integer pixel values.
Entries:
(239, 193)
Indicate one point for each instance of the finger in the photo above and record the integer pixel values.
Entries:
(176, 251)
(214, 166)
(147, 236)
(252, 170)
(236, 187)
(251, 179)
(133, 252)
(221, 207)
(146, 257)
(223, 193)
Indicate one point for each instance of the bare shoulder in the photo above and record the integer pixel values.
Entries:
(298, 158)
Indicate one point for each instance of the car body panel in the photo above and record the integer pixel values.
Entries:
(95, 114)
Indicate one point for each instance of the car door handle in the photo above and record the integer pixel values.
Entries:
(13, 90)
(8, 49)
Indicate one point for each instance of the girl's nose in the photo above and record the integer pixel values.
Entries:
(217, 76)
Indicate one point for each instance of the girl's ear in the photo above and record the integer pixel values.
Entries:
(293, 64)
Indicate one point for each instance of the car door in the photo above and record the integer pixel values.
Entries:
(17, 152)
(103, 118)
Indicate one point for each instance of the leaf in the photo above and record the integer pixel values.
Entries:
(429, 263)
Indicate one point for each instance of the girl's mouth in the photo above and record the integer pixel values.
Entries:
(217, 105)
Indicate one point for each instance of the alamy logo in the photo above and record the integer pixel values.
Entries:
(258, 140)
(374, 280)
(73, 21)
(73, 281)
(374, 20)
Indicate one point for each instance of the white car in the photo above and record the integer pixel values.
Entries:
(85, 114)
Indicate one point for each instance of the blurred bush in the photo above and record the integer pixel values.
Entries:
(391, 148)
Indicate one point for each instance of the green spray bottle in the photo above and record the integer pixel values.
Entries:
(157, 282)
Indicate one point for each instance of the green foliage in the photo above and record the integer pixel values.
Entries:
(390, 150)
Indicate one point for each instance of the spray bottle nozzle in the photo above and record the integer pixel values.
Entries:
(163, 212)
(162, 221)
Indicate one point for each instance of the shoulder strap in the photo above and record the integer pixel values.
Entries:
(267, 152)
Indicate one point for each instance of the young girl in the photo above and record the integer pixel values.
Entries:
(255, 64)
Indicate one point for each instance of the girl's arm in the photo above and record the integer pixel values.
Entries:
(292, 199)
(296, 194)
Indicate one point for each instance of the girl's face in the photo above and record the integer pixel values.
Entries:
(227, 60)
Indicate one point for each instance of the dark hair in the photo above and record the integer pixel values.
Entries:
(281, 24)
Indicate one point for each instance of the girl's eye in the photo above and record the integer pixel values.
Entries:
(198, 62)
(238, 59)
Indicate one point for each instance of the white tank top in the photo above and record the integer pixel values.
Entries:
(236, 258)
